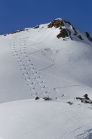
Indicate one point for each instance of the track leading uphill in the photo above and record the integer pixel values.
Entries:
(50, 60)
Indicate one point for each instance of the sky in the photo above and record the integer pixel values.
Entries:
(19, 14)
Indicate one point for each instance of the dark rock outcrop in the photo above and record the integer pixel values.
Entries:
(67, 22)
(19, 31)
(64, 33)
(74, 30)
(88, 36)
(79, 36)
(70, 103)
(60, 23)
(85, 99)
(56, 23)
(71, 38)
(36, 98)
(36, 27)
(47, 98)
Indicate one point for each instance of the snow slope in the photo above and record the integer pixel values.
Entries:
(44, 120)
(35, 63)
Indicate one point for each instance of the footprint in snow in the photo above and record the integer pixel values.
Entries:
(28, 61)
(28, 79)
(43, 94)
(46, 92)
(30, 85)
(26, 57)
(23, 53)
(24, 69)
(34, 73)
(36, 93)
(33, 89)
(25, 74)
(22, 50)
(13, 49)
(57, 98)
(32, 70)
(63, 95)
(19, 57)
(22, 65)
(31, 64)
(20, 62)
(40, 83)
(56, 90)
(43, 87)
(33, 95)
(39, 76)
(37, 79)
(16, 54)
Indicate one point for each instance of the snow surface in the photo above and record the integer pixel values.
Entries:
(35, 63)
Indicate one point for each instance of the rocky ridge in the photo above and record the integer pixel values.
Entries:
(65, 27)
(64, 30)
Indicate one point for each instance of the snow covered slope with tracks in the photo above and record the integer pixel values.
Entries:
(51, 60)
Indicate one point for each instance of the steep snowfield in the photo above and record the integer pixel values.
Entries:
(35, 63)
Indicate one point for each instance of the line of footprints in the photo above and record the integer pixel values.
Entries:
(32, 76)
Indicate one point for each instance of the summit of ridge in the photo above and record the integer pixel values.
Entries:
(66, 29)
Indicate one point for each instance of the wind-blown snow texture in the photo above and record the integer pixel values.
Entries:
(35, 62)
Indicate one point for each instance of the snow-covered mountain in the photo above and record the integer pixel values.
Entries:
(50, 60)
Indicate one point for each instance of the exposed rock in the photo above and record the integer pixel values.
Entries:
(67, 22)
(36, 27)
(88, 36)
(56, 23)
(60, 23)
(72, 27)
(19, 31)
(47, 98)
(70, 103)
(86, 96)
(79, 98)
(5, 34)
(26, 29)
(64, 33)
(64, 40)
(71, 38)
(74, 30)
(36, 98)
(60, 28)
(85, 99)
(80, 37)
